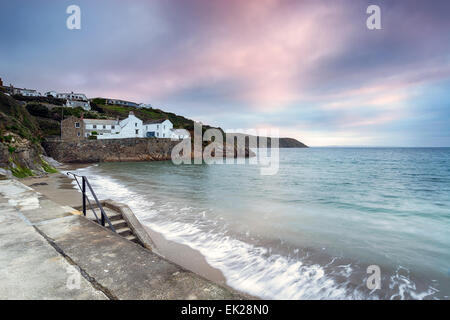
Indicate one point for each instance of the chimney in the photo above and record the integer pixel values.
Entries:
(1, 82)
(117, 119)
(131, 113)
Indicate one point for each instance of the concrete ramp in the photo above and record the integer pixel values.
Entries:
(39, 239)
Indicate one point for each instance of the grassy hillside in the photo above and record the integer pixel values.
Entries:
(20, 137)
(15, 118)
(113, 111)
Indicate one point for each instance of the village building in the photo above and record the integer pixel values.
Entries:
(73, 100)
(145, 105)
(122, 103)
(20, 91)
(72, 129)
(101, 127)
(67, 96)
(158, 128)
(77, 103)
(131, 127)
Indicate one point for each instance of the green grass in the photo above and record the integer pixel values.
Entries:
(20, 172)
(48, 168)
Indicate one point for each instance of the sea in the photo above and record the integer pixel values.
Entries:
(332, 223)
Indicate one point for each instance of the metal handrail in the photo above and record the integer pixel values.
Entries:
(84, 182)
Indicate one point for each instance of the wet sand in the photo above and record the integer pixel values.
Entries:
(59, 188)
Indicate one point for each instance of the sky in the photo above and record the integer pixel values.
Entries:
(311, 69)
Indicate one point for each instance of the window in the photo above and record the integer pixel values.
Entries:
(113, 127)
(157, 126)
(94, 126)
(164, 127)
(78, 133)
(77, 124)
(157, 134)
(164, 135)
(104, 127)
(135, 124)
(137, 131)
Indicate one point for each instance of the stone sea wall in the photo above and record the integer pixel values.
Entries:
(113, 150)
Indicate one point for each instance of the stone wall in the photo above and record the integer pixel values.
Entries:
(70, 131)
(112, 150)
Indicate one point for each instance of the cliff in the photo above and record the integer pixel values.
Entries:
(282, 142)
(21, 154)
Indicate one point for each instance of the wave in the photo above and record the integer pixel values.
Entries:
(247, 267)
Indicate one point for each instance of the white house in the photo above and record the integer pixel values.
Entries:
(68, 96)
(131, 127)
(121, 103)
(73, 100)
(102, 127)
(158, 128)
(78, 103)
(26, 92)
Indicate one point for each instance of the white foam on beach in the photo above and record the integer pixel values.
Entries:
(246, 267)
(250, 268)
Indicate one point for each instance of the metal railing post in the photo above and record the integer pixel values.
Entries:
(84, 195)
(85, 184)
(103, 218)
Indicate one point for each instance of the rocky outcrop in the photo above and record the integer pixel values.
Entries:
(110, 150)
(22, 157)
(282, 142)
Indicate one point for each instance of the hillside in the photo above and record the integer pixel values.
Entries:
(282, 142)
(20, 138)
(25, 122)
(113, 111)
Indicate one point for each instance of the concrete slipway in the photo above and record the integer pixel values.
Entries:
(49, 251)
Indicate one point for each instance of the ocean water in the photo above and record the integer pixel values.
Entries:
(312, 230)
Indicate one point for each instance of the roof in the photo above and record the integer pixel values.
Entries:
(179, 130)
(155, 121)
(101, 121)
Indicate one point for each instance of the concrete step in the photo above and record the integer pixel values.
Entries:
(113, 215)
(124, 231)
(118, 224)
(132, 238)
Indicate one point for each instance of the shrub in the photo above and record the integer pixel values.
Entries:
(98, 101)
(37, 109)
(49, 99)
(48, 168)
(20, 172)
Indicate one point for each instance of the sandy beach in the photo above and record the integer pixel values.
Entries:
(59, 188)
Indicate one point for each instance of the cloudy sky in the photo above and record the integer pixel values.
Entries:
(310, 68)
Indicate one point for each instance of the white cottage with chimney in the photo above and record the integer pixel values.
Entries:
(158, 128)
(130, 127)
